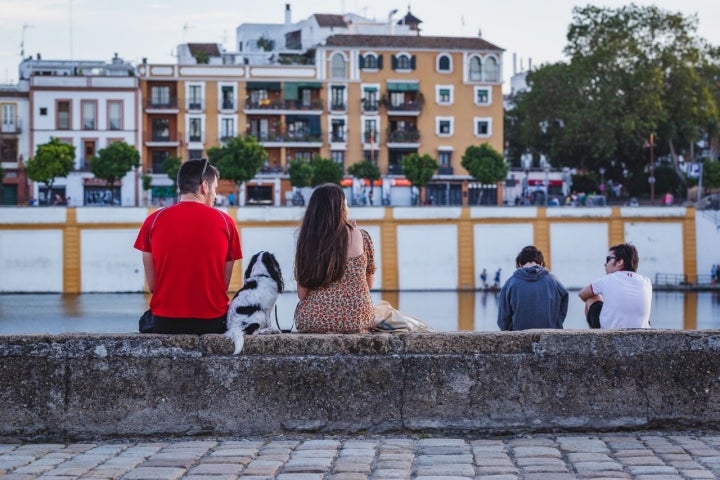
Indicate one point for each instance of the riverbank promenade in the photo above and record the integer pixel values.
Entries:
(638, 455)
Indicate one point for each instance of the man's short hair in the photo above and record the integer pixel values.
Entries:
(628, 254)
(529, 254)
(192, 173)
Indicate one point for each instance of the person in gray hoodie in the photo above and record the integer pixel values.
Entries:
(532, 297)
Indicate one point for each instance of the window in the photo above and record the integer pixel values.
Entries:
(370, 132)
(89, 114)
(444, 63)
(444, 126)
(338, 156)
(397, 100)
(259, 97)
(158, 158)
(43, 111)
(63, 115)
(337, 97)
(195, 130)
(160, 96)
(475, 71)
(115, 115)
(160, 130)
(337, 130)
(444, 94)
(227, 95)
(195, 154)
(89, 149)
(492, 70)
(227, 129)
(370, 62)
(9, 150)
(444, 158)
(370, 99)
(403, 62)
(195, 97)
(8, 117)
(306, 97)
(482, 96)
(483, 127)
(337, 66)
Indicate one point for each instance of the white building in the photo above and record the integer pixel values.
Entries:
(14, 141)
(89, 105)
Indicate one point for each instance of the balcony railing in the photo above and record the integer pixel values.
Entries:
(371, 136)
(395, 169)
(195, 104)
(445, 170)
(316, 104)
(264, 104)
(287, 137)
(403, 136)
(228, 104)
(195, 138)
(171, 102)
(337, 138)
(338, 106)
(370, 105)
(12, 127)
(161, 136)
(409, 106)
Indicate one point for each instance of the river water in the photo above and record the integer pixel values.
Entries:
(444, 310)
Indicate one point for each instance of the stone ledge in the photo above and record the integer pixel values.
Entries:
(83, 386)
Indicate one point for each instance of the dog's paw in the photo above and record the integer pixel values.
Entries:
(267, 330)
(238, 339)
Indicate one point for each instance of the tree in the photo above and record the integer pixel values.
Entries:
(419, 170)
(711, 174)
(484, 164)
(326, 171)
(52, 160)
(301, 173)
(238, 160)
(171, 166)
(365, 170)
(113, 162)
(632, 71)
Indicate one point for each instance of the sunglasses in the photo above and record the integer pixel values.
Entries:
(609, 257)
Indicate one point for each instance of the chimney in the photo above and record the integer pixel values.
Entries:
(514, 63)
(288, 14)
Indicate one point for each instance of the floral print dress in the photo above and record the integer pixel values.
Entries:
(344, 306)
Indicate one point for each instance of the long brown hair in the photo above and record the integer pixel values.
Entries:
(322, 243)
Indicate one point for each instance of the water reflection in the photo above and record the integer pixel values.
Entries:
(446, 311)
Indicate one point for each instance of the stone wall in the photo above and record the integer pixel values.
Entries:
(102, 386)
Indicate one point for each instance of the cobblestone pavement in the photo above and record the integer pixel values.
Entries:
(639, 455)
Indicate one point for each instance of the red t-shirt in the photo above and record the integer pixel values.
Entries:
(190, 243)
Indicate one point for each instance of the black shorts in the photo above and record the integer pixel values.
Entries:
(150, 323)
(593, 315)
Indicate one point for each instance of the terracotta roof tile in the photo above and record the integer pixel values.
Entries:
(410, 42)
(330, 20)
(211, 49)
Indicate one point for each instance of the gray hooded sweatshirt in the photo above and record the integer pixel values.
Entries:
(532, 298)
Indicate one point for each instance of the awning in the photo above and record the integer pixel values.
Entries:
(403, 87)
(263, 86)
(370, 89)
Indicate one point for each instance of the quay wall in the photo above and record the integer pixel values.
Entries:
(83, 386)
(89, 249)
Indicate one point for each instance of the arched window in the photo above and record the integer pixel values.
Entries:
(403, 62)
(337, 66)
(475, 69)
(444, 63)
(370, 62)
(492, 71)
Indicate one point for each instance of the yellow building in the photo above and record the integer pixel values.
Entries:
(374, 97)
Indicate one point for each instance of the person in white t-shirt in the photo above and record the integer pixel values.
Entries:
(622, 298)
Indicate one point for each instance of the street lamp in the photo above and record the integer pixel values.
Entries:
(602, 180)
(547, 182)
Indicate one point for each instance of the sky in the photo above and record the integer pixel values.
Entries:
(531, 31)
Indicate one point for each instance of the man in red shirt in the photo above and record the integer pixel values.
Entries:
(188, 252)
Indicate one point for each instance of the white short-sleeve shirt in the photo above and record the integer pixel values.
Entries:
(626, 299)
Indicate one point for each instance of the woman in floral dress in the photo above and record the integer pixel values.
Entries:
(334, 268)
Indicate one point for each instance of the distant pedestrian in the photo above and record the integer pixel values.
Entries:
(483, 278)
(497, 278)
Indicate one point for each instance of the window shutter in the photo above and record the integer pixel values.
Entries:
(361, 60)
(380, 62)
(394, 62)
(412, 62)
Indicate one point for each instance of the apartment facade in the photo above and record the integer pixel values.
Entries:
(89, 105)
(14, 142)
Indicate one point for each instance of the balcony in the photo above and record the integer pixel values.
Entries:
(162, 105)
(316, 104)
(338, 138)
(161, 138)
(195, 138)
(284, 137)
(395, 169)
(228, 104)
(11, 126)
(371, 106)
(409, 107)
(371, 136)
(403, 136)
(195, 104)
(338, 106)
(265, 104)
(445, 170)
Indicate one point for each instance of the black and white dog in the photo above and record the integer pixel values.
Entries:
(251, 307)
